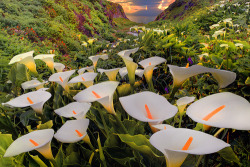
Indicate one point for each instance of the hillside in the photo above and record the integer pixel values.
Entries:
(56, 24)
(181, 9)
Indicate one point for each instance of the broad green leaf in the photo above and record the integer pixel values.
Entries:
(46, 125)
(140, 143)
(5, 141)
(72, 159)
(229, 155)
(26, 116)
(134, 127)
(60, 157)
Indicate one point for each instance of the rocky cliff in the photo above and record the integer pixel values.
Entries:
(180, 9)
(115, 10)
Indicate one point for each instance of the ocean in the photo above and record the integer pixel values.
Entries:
(141, 19)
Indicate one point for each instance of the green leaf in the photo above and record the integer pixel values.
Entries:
(121, 155)
(140, 143)
(21, 72)
(134, 127)
(216, 59)
(72, 159)
(60, 157)
(247, 82)
(46, 125)
(26, 116)
(5, 141)
(246, 90)
(229, 155)
(198, 127)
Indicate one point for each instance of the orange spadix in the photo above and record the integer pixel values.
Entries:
(83, 79)
(206, 118)
(148, 112)
(61, 79)
(187, 65)
(33, 142)
(74, 112)
(79, 133)
(186, 146)
(96, 95)
(30, 101)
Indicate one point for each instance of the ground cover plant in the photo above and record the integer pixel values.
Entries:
(163, 94)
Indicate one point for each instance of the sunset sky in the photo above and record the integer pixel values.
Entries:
(143, 7)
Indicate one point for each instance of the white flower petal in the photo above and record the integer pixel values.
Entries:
(235, 114)
(59, 67)
(38, 98)
(23, 144)
(75, 109)
(159, 107)
(32, 84)
(162, 126)
(89, 69)
(19, 57)
(67, 133)
(180, 74)
(104, 90)
(61, 77)
(111, 73)
(185, 100)
(123, 71)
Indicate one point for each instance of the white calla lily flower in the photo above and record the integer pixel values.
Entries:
(148, 107)
(162, 126)
(59, 67)
(149, 64)
(87, 79)
(26, 59)
(89, 69)
(102, 92)
(240, 45)
(72, 131)
(95, 58)
(37, 140)
(180, 74)
(223, 110)
(183, 102)
(202, 55)
(34, 99)
(32, 84)
(177, 143)
(75, 109)
(62, 78)
(131, 66)
(123, 71)
(48, 59)
(111, 73)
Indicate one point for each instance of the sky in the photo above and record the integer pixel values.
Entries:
(143, 7)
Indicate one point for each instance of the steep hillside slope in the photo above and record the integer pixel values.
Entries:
(181, 9)
(57, 24)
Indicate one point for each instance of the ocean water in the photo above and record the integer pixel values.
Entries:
(141, 19)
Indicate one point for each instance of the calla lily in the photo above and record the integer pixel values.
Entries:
(87, 79)
(32, 84)
(72, 131)
(223, 110)
(180, 74)
(84, 43)
(177, 143)
(110, 73)
(48, 59)
(89, 69)
(37, 140)
(183, 102)
(95, 58)
(149, 64)
(59, 67)
(102, 92)
(123, 71)
(148, 107)
(75, 109)
(62, 78)
(131, 66)
(34, 99)
(26, 59)
(224, 45)
(91, 40)
(239, 45)
(202, 55)
(162, 126)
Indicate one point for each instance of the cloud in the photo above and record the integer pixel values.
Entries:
(144, 7)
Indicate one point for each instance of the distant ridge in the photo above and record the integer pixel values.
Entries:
(180, 9)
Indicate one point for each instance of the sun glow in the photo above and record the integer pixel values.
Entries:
(163, 5)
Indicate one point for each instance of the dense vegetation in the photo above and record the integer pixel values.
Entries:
(217, 37)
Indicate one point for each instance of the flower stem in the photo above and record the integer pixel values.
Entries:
(180, 120)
